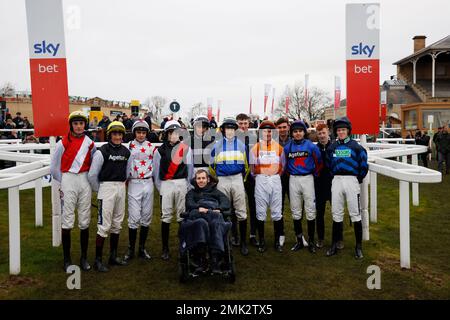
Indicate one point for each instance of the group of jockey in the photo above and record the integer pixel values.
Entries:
(254, 170)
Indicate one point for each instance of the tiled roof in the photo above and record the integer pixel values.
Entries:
(443, 44)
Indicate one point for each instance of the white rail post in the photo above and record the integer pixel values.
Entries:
(405, 159)
(415, 185)
(18, 151)
(14, 230)
(365, 198)
(365, 209)
(56, 214)
(404, 226)
(373, 197)
(38, 202)
(56, 204)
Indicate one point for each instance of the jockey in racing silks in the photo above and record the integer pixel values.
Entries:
(229, 164)
(173, 169)
(108, 175)
(267, 161)
(303, 163)
(69, 165)
(347, 161)
(140, 189)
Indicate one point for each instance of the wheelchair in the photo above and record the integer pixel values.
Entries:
(189, 269)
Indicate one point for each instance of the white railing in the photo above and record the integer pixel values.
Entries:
(17, 130)
(31, 167)
(9, 141)
(406, 174)
(396, 140)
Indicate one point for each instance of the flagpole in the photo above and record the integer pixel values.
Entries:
(250, 111)
(286, 101)
(306, 94)
(273, 99)
(334, 106)
(337, 94)
(209, 102)
(266, 96)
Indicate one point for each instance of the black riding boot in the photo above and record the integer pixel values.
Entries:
(311, 229)
(320, 225)
(262, 242)
(66, 243)
(243, 234)
(234, 231)
(84, 240)
(253, 241)
(142, 238)
(340, 236)
(98, 265)
(253, 225)
(299, 234)
(335, 238)
(277, 231)
(113, 258)
(282, 234)
(358, 237)
(165, 229)
(250, 190)
(132, 234)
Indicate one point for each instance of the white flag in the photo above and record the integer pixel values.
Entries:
(267, 89)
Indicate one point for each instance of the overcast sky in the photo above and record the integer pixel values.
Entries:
(193, 49)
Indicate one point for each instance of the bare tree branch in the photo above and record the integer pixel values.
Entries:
(7, 89)
(156, 104)
(318, 100)
(197, 109)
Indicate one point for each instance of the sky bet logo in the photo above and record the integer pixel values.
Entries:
(45, 48)
(363, 49)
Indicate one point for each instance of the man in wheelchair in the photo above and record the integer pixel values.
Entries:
(204, 227)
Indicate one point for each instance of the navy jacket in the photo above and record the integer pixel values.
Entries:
(347, 158)
(323, 181)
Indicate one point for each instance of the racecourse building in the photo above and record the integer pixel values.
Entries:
(427, 73)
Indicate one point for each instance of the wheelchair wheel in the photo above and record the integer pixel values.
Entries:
(183, 268)
(231, 274)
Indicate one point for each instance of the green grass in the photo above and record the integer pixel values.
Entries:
(272, 275)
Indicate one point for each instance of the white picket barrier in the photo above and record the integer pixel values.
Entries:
(10, 141)
(32, 167)
(406, 174)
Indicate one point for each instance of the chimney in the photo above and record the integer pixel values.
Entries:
(419, 42)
